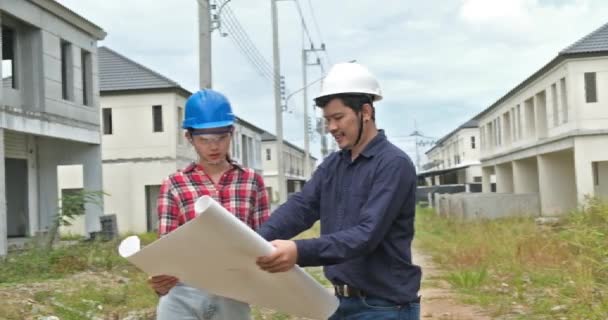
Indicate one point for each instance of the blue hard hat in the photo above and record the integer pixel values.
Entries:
(208, 109)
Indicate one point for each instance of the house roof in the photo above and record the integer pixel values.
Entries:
(267, 136)
(473, 123)
(596, 41)
(592, 45)
(119, 73)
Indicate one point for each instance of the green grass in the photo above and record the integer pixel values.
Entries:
(88, 279)
(514, 262)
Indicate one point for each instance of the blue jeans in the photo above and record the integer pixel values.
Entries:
(368, 308)
(187, 303)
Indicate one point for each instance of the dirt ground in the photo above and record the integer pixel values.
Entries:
(438, 301)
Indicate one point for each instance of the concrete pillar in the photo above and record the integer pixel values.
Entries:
(504, 178)
(3, 219)
(556, 196)
(486, 184)
(525, 176)
(92, 181)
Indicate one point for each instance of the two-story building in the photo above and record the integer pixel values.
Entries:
(143, 142)
(454, 159)
(49, 113)
(549, 135)
(293, 166)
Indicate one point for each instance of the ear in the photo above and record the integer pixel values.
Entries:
(188, 136)
(367, 111)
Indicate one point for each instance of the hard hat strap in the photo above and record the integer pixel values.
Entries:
(360, 128)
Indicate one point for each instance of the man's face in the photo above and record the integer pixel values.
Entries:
(342, 122)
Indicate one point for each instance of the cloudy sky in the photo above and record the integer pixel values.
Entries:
(439, 62)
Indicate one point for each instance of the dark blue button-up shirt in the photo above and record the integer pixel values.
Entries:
(366, 208)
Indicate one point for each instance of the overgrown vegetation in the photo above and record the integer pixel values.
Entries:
(514, 266)
(85, 280)
(71, 206)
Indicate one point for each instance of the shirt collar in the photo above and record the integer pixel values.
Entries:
(195, 166)
(372, 148)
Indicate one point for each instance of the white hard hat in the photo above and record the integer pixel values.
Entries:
(350, 77)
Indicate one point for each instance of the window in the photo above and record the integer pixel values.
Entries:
(180, 119)
(477, 179)
(555, 105)
(67, 83)
(268, 154)
(9, 64)
(590, 87)
(564, 99)
(107, 120)
(85, 67)
(157, 118)
(473, 142)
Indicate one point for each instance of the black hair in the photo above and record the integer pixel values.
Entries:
(355, 101)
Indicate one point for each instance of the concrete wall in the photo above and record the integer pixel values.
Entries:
(487, 205)
(133, 136)
(125, 184)
(556, 182)
(39, 72)
(593, 115)
(588, 150)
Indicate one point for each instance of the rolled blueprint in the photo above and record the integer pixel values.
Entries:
(216, 252)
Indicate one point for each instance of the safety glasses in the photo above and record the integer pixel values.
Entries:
(210, 138)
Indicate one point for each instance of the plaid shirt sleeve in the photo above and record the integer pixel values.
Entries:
(167, 209)
(261, 210)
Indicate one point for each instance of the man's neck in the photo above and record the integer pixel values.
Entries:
(356, 150)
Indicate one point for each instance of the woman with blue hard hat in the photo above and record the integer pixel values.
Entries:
(209, 125)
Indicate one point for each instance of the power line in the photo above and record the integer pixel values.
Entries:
(246, 45)
(305, 27)
(314, 20)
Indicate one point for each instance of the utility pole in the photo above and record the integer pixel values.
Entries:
(277, 101)
(204, 44)
(305, 63)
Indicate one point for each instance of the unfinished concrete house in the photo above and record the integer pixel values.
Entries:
(49, 113)
(453, 163)
(546, 141)
(143, 142)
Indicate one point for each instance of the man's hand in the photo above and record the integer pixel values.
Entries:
(162, 284)
(280, 260)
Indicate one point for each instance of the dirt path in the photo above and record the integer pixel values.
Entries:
(438, 301)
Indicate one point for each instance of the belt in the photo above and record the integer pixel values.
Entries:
(344, 290)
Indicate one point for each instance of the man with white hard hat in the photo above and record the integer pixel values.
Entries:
(364, 196)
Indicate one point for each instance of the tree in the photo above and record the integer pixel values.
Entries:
(71, 206)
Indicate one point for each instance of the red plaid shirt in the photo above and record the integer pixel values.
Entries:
(240, 190)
